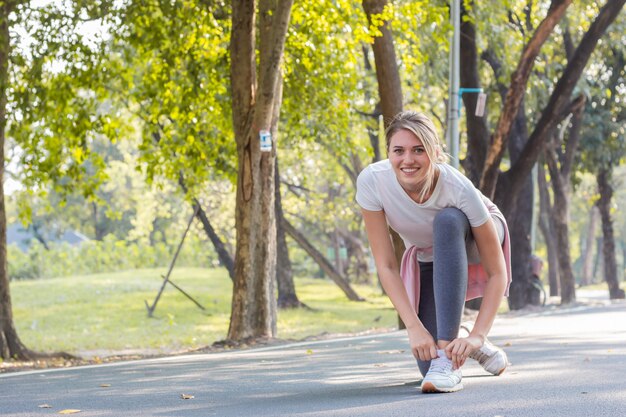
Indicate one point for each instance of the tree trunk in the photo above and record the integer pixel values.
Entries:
(514, 97)
(545, 224)
(98, 228)
(598, 264)
(336, 242)
(357, 250)
(36, 230)
(552, 114)
(389, 89)
(477, 129)
(253, 312)
(10, 345)
(560, 216)
(608, 248)
(623, 245)
(326, 266)
(587, 278)
(387, 74)
(287, 297)
(222, 253)
(560, 176)
(519, 220)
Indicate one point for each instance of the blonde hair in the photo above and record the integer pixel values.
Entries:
(421, 126)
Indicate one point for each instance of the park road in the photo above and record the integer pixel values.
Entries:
(567, 361)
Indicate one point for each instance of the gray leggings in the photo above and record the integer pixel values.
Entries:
(443, 282)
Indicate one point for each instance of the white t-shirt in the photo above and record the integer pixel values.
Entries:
(378, 189)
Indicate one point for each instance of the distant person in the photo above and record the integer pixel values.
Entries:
(457, 249)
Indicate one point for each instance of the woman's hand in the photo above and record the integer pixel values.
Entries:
(459, 349)
(422, 343)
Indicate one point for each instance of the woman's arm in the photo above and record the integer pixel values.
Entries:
(421, 342)
(492, 259)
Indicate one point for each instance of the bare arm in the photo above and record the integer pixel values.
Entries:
(422, 343)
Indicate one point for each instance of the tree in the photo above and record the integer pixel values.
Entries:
(511, 122)
(511, 182)
(322, 72)
(560, 167)
(557, 105)
(604, 142)
(157, 77)
(33, 101)
(176, 89)
(10, 344)
(608, 247)
(545, 224)
(515, 94)
(559, 155)
(590, 235)
(253, 105)
(388, 77)
(287, 297)
(326, 266)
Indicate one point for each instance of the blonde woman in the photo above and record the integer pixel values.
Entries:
(456, 243)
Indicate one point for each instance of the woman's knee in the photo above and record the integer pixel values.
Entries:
(451, 219)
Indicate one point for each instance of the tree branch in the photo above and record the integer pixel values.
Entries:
(515, 94)
(560, 97)
(321, 260)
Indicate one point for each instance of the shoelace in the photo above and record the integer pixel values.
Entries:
(440, 365)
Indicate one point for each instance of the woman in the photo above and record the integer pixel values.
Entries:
(456, 243)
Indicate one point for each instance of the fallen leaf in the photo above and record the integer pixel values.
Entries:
(186, 396)
(105, 385)
(309, 352)
(69, 411)
(44, 406)
(508, 344)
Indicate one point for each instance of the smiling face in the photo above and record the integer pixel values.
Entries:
(409, 160)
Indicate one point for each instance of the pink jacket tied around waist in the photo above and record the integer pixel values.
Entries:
(477, 277)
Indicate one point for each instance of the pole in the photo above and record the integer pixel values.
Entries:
(454, 76)
(167, 276)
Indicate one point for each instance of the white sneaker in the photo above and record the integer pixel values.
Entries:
(441, 377)
(490, 357)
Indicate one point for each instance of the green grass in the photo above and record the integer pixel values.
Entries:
(597, 286)
(106, 312)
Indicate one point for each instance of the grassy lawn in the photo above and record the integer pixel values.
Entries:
(106, 312)
(597, 286)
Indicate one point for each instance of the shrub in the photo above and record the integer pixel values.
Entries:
(108, 255)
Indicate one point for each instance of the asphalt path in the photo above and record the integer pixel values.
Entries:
(563, 362)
